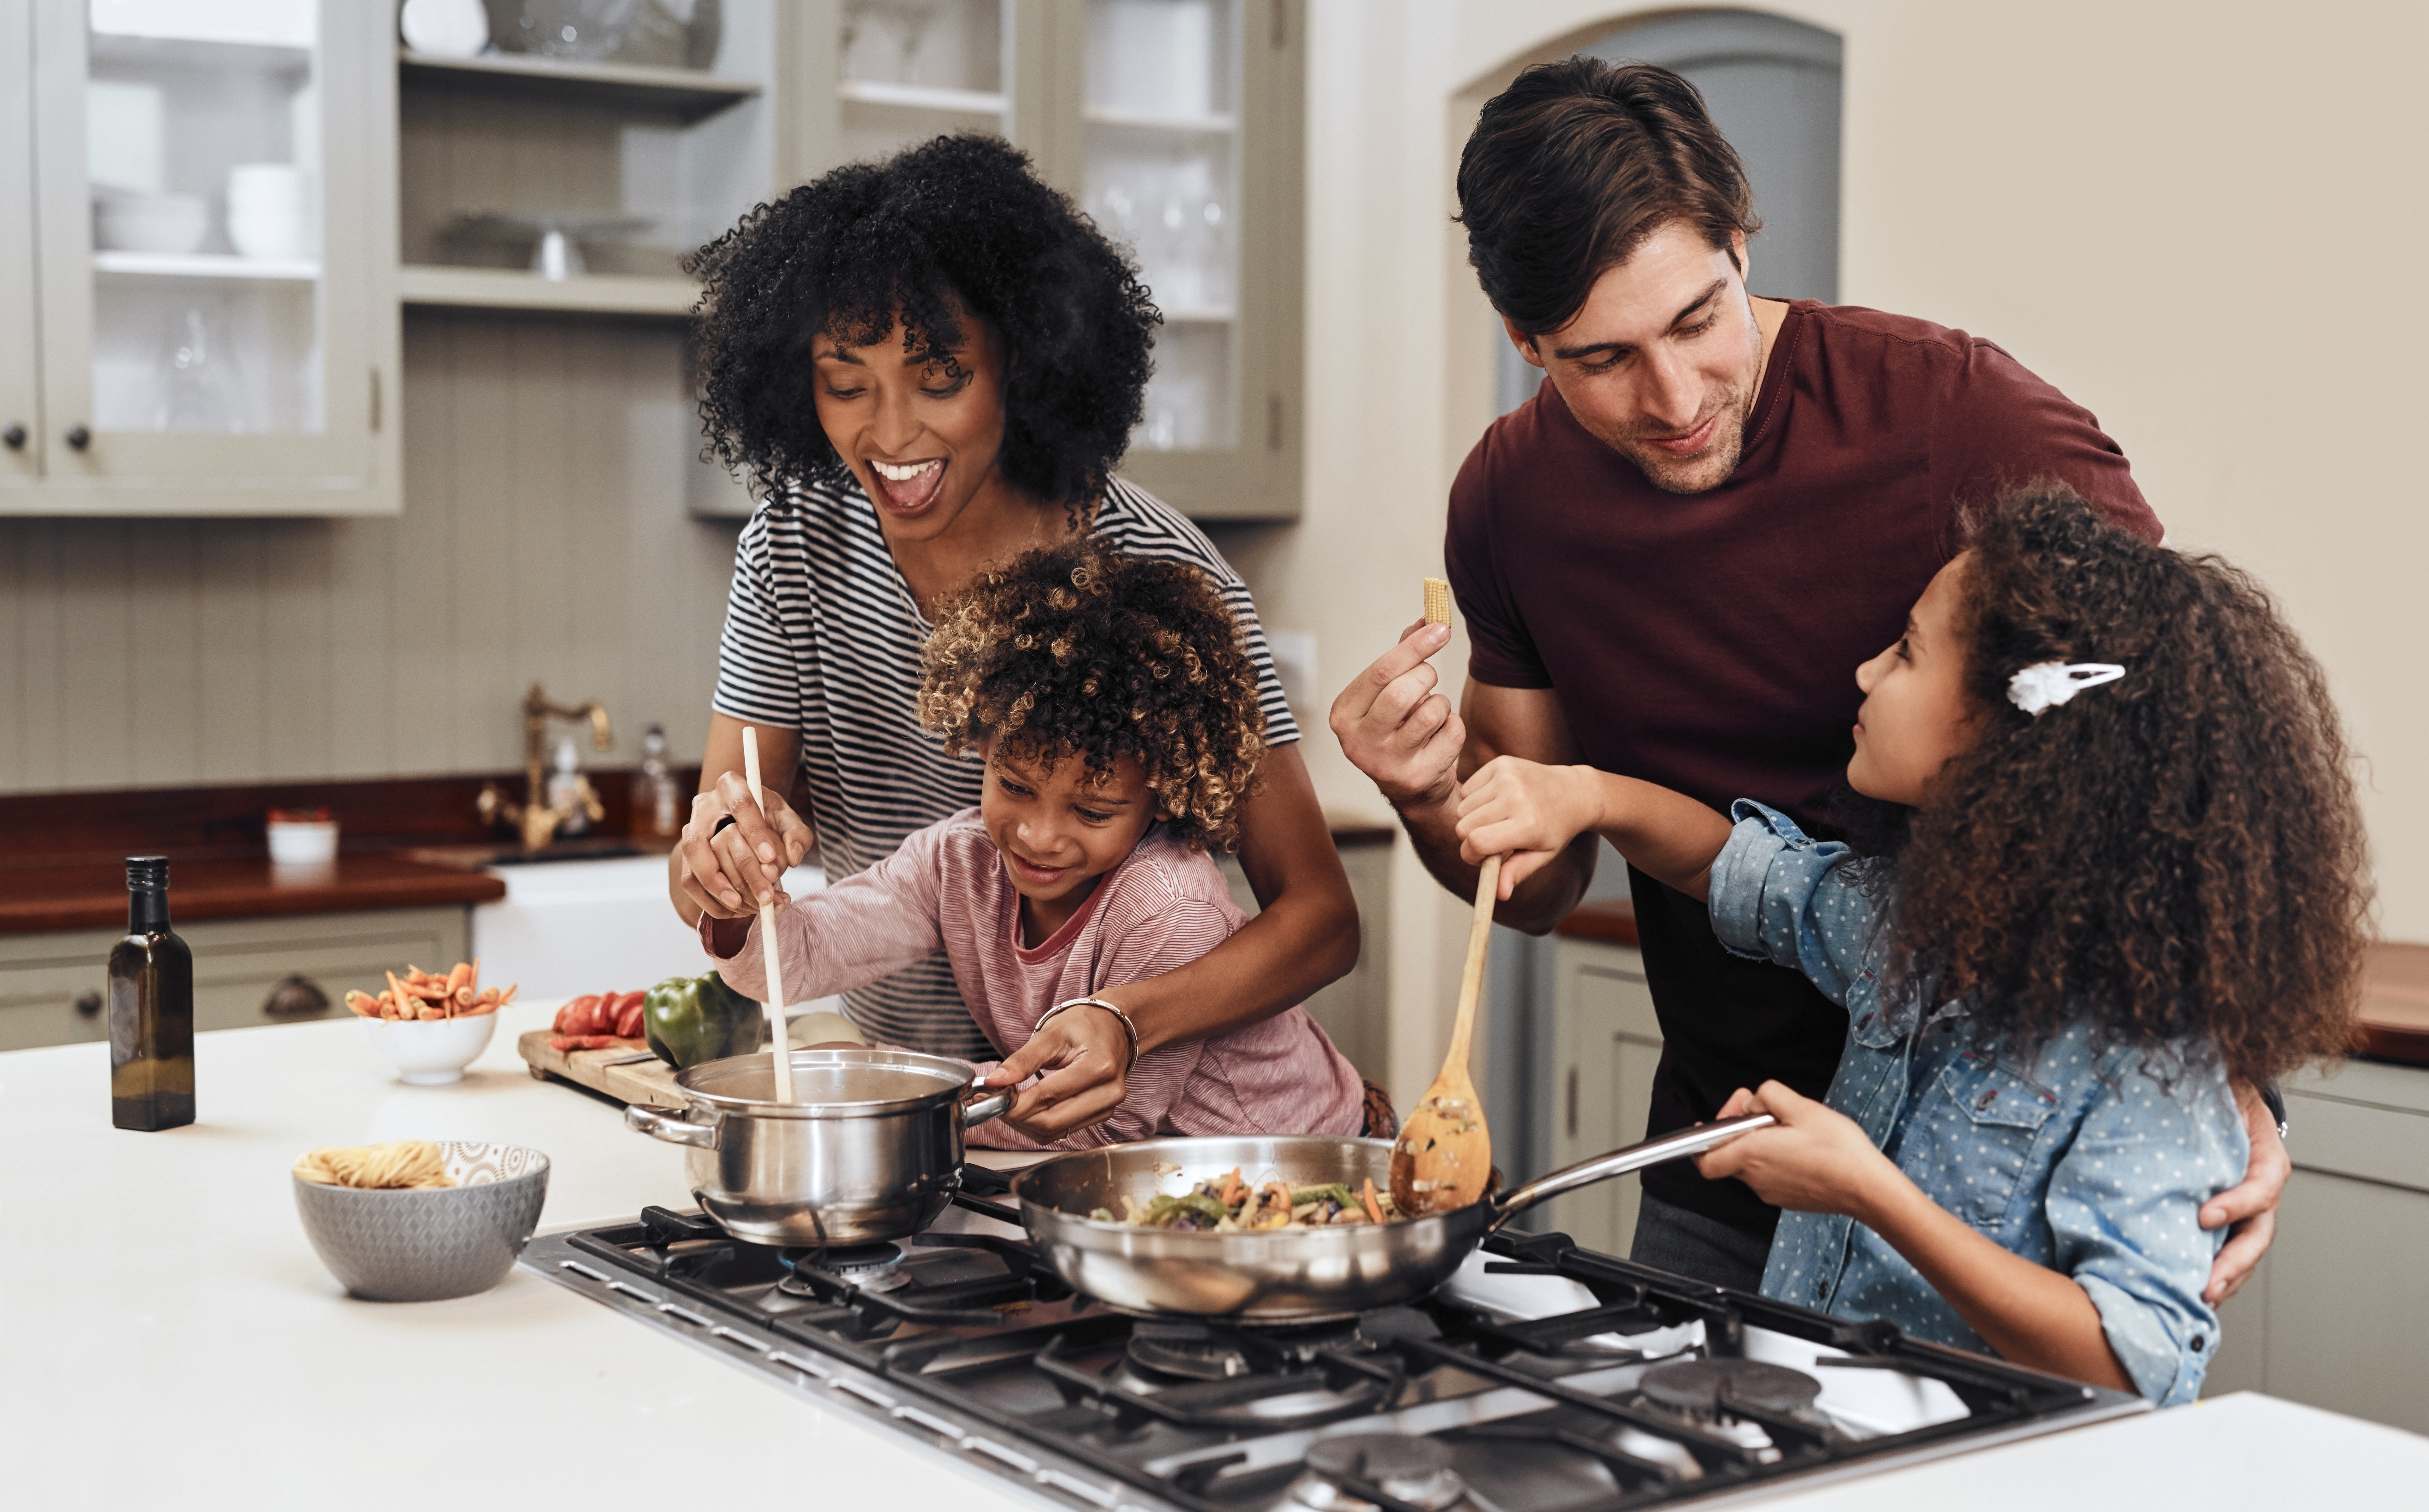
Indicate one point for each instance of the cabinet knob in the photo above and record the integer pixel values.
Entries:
(295, 997)
(88, 1003)
(15, 437)
(79, 438)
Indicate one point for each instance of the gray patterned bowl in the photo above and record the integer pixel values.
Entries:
(424, 1246)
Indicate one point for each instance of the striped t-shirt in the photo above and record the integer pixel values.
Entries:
(822, 637)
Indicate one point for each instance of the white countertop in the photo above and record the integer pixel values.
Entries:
(167, 1337)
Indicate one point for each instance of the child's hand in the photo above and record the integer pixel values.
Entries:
(1527, 809)
(1082, 1060)
(1813, 1160)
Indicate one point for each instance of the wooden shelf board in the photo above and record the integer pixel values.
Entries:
(204, 265)
(1106, 115)
(921, 98)
(686, 91)
(598, 293)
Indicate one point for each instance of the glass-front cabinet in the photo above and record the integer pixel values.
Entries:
(211, 198)
(1177, 125)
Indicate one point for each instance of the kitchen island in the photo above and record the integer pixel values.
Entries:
(171, 1338)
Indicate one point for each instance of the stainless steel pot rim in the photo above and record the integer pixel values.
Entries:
(952, 1078)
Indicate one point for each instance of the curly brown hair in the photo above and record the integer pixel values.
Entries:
(1074, 651)
(2178, 855)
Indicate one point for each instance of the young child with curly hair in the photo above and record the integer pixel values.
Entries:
(2119, 868)
(1117, 714)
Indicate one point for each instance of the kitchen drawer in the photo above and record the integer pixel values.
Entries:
(2362, 1119)
(236, 962)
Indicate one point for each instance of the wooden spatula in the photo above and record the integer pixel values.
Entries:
(1444, 1153)
(782, 1051)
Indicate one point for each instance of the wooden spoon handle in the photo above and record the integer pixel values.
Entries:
(1471, 981)
(782, 1063)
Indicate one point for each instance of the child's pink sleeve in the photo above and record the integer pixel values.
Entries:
(860, 929)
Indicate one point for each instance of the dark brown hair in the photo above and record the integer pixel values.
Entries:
(2179, 854)
(1075, 651)
(1573, 166)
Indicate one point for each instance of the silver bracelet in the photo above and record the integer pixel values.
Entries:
(1129, 1028)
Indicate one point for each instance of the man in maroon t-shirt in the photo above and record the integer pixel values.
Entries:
(1673, 559)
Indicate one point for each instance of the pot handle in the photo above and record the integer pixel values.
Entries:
(642, 1118)
(986, 1106)
(1684, 1142)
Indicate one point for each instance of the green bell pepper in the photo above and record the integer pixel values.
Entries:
(688, 1020)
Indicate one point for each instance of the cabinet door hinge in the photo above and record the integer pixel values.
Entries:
(375, 400)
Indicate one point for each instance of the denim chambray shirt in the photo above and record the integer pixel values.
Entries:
(2079, 1162)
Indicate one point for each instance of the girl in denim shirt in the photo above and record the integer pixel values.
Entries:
(2116, 866)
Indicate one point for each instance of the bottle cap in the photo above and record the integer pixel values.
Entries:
(147, 874)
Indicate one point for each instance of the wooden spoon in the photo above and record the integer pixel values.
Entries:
(775, 1004)
(1444, 1153)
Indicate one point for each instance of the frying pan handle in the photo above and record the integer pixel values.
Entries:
(984, 1106)
(1685, 1142)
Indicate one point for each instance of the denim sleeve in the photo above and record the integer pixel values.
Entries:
(1778, 895)
(2124, 1210)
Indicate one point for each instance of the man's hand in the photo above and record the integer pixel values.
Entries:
(1084, 1057)
(725, 875)
(2252, 1207)
(1813, 1160)
(1395, 727)
(1526, 810)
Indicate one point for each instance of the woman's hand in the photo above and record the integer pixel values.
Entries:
(725, 873)
(1526, 810)
(1813, 1160)
(1085, 1061)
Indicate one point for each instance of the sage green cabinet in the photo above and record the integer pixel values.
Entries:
(197, 311)
(1606, 1043)
(237, 962)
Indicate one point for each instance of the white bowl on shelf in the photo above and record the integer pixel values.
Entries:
(301, 842)
(431, 1052)
(125, 220)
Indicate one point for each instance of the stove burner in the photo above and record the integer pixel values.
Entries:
(1189, 1351)
(1706, 1389)
(867, 1267)
(1412, 1470)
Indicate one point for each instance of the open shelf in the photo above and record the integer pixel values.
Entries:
(204, 265)
(1204, 126)
(921, 98)
(686, 94)
(597, 293)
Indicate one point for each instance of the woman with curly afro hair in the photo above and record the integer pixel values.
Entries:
(1116, 709)
(2130, 875)
(926, 366)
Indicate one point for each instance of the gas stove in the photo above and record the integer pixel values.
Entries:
(1542, 1378)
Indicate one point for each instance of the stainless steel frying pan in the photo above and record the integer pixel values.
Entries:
(1285, 1275)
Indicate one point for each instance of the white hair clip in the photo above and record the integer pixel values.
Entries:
(2048, 683)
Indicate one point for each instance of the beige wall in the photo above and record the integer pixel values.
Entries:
(2201, 221)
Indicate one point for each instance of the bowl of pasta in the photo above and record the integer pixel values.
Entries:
(420, 1220)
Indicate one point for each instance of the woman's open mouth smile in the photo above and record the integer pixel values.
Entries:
(909, 487)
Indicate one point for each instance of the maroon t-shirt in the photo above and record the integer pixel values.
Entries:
(1709, 643)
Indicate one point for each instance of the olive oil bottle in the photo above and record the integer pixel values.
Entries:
(151, 1010)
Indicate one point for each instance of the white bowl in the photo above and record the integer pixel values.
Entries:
(431, 1052)
(311, 843)
(152, 223)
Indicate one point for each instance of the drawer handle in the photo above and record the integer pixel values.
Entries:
(88, 1003)
(295, 997)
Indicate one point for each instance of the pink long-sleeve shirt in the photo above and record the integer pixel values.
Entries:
(1165, 905)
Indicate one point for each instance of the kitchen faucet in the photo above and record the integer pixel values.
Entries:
(533, 816)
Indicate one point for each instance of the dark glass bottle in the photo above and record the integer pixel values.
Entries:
(151, 1010)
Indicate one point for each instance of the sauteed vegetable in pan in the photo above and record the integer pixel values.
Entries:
(1229, 1205)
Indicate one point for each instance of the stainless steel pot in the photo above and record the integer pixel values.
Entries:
(1286, 1276)
(870, 1150)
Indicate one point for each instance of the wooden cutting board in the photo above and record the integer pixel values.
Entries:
(651, 1083)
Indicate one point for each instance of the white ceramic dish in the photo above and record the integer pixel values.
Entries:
(304, 843)
(440, 1242)
(124, 222)
(431, 1052)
